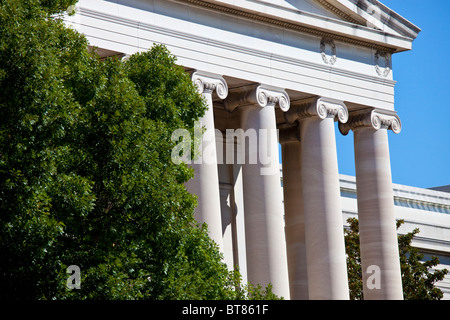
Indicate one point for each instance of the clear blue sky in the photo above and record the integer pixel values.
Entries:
(420, 154)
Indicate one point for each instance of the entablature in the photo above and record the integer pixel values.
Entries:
(262, 47)
(360, 22)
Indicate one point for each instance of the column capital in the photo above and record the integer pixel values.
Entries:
(372, 118)
(318, 107)
(258, 95)
(208, 83)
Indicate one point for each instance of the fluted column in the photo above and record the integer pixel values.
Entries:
(293, 212)
(325, 247)
(205, 183)
(380, 260)
(263, 208)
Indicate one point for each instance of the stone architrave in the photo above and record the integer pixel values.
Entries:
(380, 260)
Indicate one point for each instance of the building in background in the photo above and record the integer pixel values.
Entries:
(425, 209)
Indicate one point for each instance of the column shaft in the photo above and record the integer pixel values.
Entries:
(263, 209)
(376, 213)
(327, 270)
(294, 218)
(205, 183)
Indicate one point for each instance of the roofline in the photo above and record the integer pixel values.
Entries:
(358, 10)
(395, 21)
(316, 24)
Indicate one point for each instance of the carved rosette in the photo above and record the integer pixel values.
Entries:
(208, 83)
(259, 95)
(374, 118)
(319, 107)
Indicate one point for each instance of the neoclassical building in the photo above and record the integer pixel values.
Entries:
(296, 68)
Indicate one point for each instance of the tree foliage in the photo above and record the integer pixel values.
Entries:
(418, 276)
(86, 176)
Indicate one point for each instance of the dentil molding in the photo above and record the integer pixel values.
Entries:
(371, 118)
(235, 11)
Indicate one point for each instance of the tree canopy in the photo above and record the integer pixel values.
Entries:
(86, 176)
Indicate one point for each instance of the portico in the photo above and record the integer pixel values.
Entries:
(287, 71)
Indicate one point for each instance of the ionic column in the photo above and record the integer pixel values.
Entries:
(380, 260)
(263, 208)
(293, 212)
(205, 183)
(325, 247)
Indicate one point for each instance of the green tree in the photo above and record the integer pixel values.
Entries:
(418, 276)
(86, 176)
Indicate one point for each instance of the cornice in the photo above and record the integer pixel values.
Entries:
(406, 196)
(337, 11)
(410, 203)
(390, 17)
(420, 204)
(287, 25)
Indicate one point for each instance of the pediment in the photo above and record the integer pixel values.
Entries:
(362, 20)
(373, 14)
(310, 6)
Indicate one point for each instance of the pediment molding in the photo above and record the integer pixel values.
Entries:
(285, 24)
(327, 5)
(348, 30)
(382, 15)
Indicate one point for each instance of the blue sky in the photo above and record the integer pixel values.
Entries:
(420, 154)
